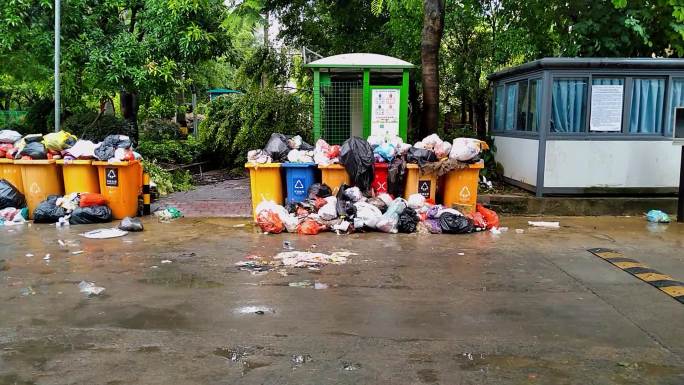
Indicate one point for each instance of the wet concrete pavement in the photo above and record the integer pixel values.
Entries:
(531, 308)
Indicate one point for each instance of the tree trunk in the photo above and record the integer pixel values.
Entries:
(433, 26)
(480, 107)
(128, 104)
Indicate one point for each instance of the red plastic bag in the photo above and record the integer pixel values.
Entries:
(310, 227)
(478, 220)
(5, 148)
(489, 216)
(270, 222)
(333, 152)
(91, 199)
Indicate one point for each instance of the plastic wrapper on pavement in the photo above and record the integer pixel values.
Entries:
(10, 196)
(41, 178)
(131, 224)
(460, 188)
(357, 157)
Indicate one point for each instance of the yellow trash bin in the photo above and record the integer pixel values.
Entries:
(334, 175)
(12, 173)
(80, 176)
(265, 183)
(460, 188)
(40, 178)
(419, 183)
(121, 185)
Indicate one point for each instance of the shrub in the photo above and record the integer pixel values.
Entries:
(171, 151)
(166, 181)
(88, 126)
(40, 118)
(159, 129)
(239, 123)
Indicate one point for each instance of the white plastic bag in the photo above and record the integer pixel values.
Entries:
(353, 193)
(375, 140)
(416, 201)
(442, 150)
(367, 214)
(328, 211)
(81, 149)
(9, 136)
(390, 219)
(431, 141)
(465, 149)
(386, 198)
(258, 156)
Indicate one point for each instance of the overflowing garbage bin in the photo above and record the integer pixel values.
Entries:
(121, 185)
(265, 183)
(298, 178)
(11, 172)
(40, 178)
(80, 176)
(420, 183)
(460, 187)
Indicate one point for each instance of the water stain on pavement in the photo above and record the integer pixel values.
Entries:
(427, 376)
(172, 278)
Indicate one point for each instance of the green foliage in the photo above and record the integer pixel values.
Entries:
(166, 181)
(40, 118)
(159, 129)
(171, 151)
(237, 124)
(158, 107)
(95, 127)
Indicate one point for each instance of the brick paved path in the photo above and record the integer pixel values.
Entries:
(230, 198)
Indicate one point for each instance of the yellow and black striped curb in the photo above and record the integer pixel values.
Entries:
(665, 283)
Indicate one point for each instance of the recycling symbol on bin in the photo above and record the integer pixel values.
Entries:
(34, 189)
(299, 185)
(464, 194)
(111, 174)
(424, 187)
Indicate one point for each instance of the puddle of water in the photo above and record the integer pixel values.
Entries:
(13, 379)
(427, 376)
(169, 277)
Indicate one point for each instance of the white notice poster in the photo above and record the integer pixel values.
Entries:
(606, 108)
(385, 112)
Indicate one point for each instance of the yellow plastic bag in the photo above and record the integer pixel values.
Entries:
(58, 141)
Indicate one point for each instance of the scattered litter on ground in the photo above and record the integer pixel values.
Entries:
(26, 291)
(104, 233)
(461, 254)
(657, 216)
(131, 224)
(29, 255)
(168, 214)
(61, 242)
(350, 366)
(300, 359)
(46, 257)
(259, 310)
(77, 252)
(550, 225)
(287, 245)
(299, 259)
(165, 261)
(519, 231)
(240, 225)
(300, 284)
(320, 286)
(90, 289)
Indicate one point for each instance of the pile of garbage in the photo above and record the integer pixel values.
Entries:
(73, 209)
(350, 211)
(63, 145)
(13, 209)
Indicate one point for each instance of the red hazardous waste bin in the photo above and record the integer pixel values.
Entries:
(380, 179)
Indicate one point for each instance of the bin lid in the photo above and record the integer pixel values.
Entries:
(121, 164)
(335, 166)
(262, 165)
(381, 165)
(75, 161)
(292, 164)
(479, 164)
(35, 161)
(6, 161)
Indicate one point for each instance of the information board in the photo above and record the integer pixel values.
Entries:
(385, 112)
(606, 108)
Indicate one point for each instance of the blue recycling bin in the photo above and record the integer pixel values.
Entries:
(298, 178)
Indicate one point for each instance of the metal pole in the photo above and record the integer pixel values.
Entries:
(58, 22)
(680, 200)
(194, 113)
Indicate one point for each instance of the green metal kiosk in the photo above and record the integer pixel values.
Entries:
(359, 94)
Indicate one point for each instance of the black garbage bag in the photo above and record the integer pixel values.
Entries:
(455, 224)
(421, 156)
(345, 207)
(10, 196)
(109, 145)
(408, 221)
(379, 203)
(131, 224)
(291, 207)
(356, 155)
(33, 138)
(36, 150)
(319, 190)
(396, 177)
(277, 147)
(90, 215)
(306, 146)
(47, 211)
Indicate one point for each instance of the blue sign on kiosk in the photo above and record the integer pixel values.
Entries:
(298, 178)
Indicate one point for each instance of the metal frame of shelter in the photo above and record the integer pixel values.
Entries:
(343, 89)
